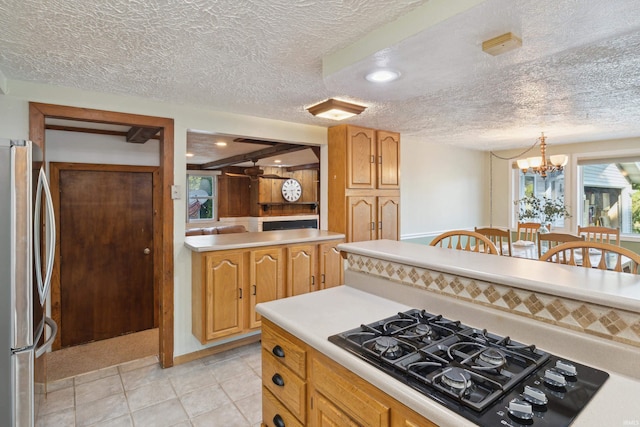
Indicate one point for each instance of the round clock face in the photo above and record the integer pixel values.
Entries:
(291, 190)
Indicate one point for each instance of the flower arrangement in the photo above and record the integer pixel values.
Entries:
(544, 210)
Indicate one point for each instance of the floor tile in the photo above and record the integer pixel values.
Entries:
(150, 394)
(142, 376)
(251, 407)
(242, 386)
(136, 364)
(101, 410)
(98, 389)
(96, 375)
(226, 416)
(123, 421)
(57, 401)
(192, 380)
(163, 414)
(64, 418)
(204, 400)
(228, 369)
(60, 384)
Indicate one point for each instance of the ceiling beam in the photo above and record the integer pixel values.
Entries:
(256, 141)
(140, 135)
(308, 166)
(279, 148)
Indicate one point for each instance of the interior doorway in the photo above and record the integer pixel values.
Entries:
(163, 255)
(106, 235)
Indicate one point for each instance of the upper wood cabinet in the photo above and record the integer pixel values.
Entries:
(364, 183)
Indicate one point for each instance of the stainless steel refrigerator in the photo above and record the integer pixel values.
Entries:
(27, 244)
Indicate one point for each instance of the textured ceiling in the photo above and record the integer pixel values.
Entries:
(576, 77)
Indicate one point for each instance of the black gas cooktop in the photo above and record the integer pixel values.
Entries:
(488, 379)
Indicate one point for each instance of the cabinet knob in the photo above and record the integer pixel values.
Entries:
(278, 421)
(278, 380)
(278, 351)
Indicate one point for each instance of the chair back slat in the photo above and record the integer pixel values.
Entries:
(473, 242)
(600, 234)
(500, 238)
(604, 251)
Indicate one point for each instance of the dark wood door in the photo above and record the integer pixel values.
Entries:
(106, 265)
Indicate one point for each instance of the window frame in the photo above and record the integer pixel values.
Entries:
(600, 157)
(213, 197)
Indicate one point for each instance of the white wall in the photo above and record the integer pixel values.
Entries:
(442, 188)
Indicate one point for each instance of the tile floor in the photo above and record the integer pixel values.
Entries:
(221, 390)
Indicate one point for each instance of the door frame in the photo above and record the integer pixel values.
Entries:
(38, 112)
(54, 182)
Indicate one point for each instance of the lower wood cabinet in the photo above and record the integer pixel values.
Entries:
(227, 285)
(334, 396)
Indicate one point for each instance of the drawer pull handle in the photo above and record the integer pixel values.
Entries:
(278, 380)
(278, 351)
(278, 421)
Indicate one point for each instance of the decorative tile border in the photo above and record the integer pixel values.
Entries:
(605, 322)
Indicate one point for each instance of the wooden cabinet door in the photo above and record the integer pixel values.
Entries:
(326, 414)
(301, 269)
(331, 268)
(361, 218)
(361, 158)
(266, 280)
(389, 218)
(388, 145)
(224, 282)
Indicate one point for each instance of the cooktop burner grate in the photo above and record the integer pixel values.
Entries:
(472, 371)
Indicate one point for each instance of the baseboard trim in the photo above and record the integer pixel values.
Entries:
(189, 357)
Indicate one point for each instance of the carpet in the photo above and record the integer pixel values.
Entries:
(80, 359)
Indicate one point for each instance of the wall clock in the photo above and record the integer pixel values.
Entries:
(291, 190)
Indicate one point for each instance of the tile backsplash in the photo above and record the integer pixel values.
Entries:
(594, 319)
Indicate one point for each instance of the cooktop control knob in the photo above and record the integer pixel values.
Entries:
(566, 368)
(554, 378)
(520, 409)
(534, 395)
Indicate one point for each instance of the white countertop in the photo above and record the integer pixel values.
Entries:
(609, 288)
(221, 242)
(316, 316)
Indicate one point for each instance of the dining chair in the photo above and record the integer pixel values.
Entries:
(499, 237)
(600, 234)
(528, 231)
(603, 256)
(555, 239)
(466, 241)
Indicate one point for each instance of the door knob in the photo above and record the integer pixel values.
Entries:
(147, 251)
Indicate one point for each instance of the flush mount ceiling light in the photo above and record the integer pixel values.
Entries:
(382, 76)
(541, 165)
(501, 44)
(335, 110)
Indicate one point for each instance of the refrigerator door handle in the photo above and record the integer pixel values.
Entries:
(44, 284)
(39, 351)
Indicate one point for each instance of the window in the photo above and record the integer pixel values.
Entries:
(532, 184)
(201, 203)
(610, 193)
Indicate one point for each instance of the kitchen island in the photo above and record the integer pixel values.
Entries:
(381, 291)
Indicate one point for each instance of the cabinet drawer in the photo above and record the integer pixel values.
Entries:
(284, 384)
(274, 413)
(293, 356)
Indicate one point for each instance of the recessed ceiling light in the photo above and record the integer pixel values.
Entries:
(189, 154)
(382, 76)
(221, 144)
(277, 161)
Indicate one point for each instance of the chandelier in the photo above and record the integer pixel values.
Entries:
(541, 165)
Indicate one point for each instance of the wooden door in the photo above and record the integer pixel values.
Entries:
(106, 263)
(361, 218)
(266, 281)
(301, 266)
(224, 280)
(388, 159)
(389, 218)
(361, 155)
(331, 266)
